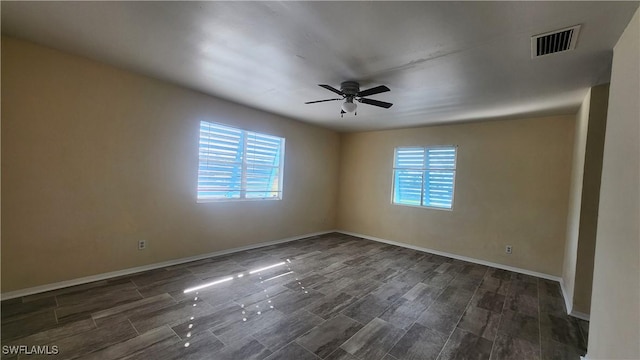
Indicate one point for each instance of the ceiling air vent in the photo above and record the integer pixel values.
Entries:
(554, 41)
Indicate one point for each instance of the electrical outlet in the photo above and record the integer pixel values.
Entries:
(508, 249)
(142, 244)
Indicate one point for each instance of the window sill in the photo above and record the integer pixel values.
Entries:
(424, 207)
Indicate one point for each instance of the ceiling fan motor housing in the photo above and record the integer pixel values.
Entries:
(350, 88)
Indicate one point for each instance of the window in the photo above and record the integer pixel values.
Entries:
(235, 164)
(424, 176)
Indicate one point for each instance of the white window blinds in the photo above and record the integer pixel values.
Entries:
(235, 164)
(424, 176)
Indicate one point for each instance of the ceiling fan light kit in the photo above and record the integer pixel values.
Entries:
(350, 91)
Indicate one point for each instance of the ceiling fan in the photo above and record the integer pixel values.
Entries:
(350, 91)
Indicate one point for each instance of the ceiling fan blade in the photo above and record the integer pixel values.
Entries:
(331, 88)
(318, 101)
(373, 91)
(383, 104)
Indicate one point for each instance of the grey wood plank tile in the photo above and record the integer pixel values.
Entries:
(391, 291)
(158, 276)
(384, 274)
(331, 305)
(496, 285)
(506, 347)
(373, 341)
(329, 270)
(584, 329)
(409, 277)
(473, 270)
(465, 282)
(84, 343)
(262, 295)
(175, 285)
(307, 281)
(199, 347)
(236, 330)
(500, 274)
(229, 290)
(423, 294)
(53, 334)
(246, 348)
(95, 293)
(441, 317)
(481, 322)
(455, 297)
(367, 308)
(425, 266)
(32, 323)
(161, 336)
(523, 288)
(79, 308)
(563, 329)
(288, 329)
(358, 260)
(403, 313)
(18, 308)
(520, 326)
(255, 260)
(522, 303)
(525, 278)
(293, 301)
(292, 351)
(552, 350)
(361, 287)
(217, 269)
(552, 305)
(419, 343)
(549, 288)
(328, 336)
(333, 286)
(76, 288)
(349, 277)
(123, 312)
(217, 317)
(438, 279)
(340, 354)
(465, 345)
(488, 300)
(170, 315)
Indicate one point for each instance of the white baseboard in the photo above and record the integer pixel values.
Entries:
(454, 256)
(137, 269)
(568, 303)
(568, 298)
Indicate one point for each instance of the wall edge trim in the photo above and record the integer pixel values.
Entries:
(137, 269)
(568, 300)
(454, 256)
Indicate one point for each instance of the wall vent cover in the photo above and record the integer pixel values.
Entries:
(554, 41)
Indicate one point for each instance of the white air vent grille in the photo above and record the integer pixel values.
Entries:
(554, 41)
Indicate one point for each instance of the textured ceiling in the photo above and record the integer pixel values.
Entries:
(444, 61)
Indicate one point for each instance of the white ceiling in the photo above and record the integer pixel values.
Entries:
(444, 61)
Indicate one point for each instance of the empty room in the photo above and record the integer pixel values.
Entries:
(320, 180)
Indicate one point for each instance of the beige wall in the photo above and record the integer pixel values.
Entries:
(95, 158)
(615, 306)
(512, 187)
(582, 219)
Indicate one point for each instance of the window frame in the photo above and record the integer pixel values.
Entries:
(424, 169)
(244, 166)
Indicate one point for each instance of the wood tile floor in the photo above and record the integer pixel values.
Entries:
(328, 297)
